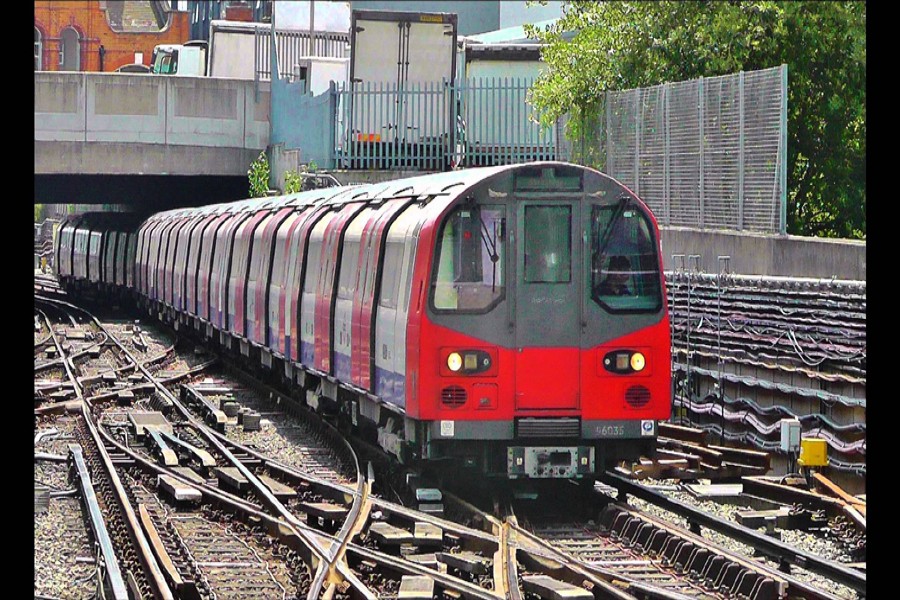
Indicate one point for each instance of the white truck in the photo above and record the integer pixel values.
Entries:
(403, 51)
(240, 50)
(179, 59)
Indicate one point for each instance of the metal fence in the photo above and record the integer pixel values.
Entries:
(708, 153)
(498, 126)
(436, 125)
(291, 46)
(391, 126)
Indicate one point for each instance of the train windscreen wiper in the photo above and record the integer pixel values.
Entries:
(607, 233)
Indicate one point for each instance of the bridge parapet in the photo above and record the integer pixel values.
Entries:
(157, 122)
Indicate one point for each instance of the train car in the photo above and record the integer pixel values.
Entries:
(65, 246)
(91, 251)
(510, 320)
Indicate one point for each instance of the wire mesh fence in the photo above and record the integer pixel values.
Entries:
(708, 153)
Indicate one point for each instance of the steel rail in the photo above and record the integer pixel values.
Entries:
(287, 524)
(145, 556)
(59, 349)
(309, 535)
(262, 491)
(118, 589)
(614, 585)
(773, 548)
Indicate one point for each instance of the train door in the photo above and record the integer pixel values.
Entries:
(326, 291)
(547, 303)
(393, 305)
(261, 271)
(131, 253)
(109, 258)
(371, 270)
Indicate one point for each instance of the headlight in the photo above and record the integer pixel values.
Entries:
(638, 362)
(454, 361)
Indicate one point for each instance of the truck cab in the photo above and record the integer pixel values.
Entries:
(180, 59)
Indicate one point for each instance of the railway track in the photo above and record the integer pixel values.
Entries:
(371, 547)
(65, 562)
(622, 563)
(127, 563)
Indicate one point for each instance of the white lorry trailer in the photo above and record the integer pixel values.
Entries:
(402, 68)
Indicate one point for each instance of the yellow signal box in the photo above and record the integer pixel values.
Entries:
(813, 453)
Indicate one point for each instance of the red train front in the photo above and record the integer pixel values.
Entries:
(541, 346)
(511, 320)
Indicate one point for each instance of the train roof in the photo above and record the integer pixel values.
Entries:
(450, 184)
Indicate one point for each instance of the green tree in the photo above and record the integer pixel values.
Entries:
(259, 176)
(622, 45)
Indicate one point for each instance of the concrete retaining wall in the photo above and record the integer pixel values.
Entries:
(774, 255)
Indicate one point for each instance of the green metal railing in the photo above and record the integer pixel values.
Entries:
(434, 126)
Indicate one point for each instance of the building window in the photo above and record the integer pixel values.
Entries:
(38, 48)
(69, 50)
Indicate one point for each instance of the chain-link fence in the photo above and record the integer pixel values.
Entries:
(708, 153)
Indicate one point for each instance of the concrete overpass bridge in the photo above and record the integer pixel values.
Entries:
(146, 140)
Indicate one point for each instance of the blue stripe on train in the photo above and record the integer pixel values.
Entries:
(342, 367)
(390, 386)
(307, 353)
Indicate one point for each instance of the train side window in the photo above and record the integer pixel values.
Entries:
(390, 275)
(469, 274)
(624, 261)
(348, 278)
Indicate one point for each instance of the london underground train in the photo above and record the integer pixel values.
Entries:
(510, 320)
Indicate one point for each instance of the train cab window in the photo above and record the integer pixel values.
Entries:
(548, 244)
(624, 261)
(469, 274)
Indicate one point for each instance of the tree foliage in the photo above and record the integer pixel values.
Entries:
(622, 45)
(293, 182)
(258, 175)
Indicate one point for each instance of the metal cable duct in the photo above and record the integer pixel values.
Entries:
(768, 429)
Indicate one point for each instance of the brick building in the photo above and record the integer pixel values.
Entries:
(102, 35)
